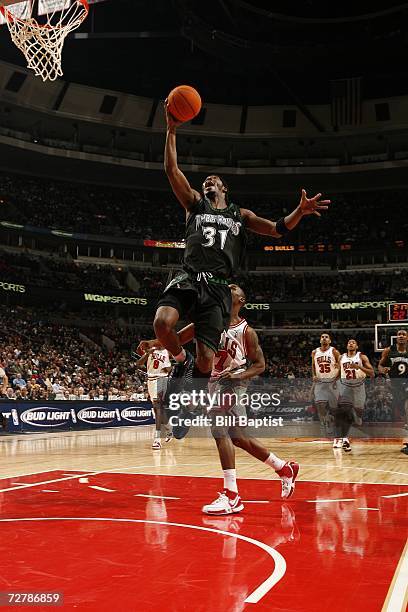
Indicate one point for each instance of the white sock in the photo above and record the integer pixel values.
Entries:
(230, 480)
(274, 462)
(181, 356)
(157, 434)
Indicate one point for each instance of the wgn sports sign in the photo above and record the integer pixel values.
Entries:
(69, 415)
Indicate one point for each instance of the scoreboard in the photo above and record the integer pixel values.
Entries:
(398, 312)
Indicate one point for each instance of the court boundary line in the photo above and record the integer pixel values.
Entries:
(254, 597)
(302, 465)
(29, 485)
(28, 474)
(352, 467)
(396, 590)
(299, 480)
(23, 486)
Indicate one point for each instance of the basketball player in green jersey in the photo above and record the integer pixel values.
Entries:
(215, 246)
(394, 362)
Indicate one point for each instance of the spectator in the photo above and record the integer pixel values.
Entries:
(18, 381)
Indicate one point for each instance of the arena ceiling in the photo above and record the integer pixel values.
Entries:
(239, 51)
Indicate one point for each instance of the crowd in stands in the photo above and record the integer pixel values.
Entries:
(44, 360)
(59, 273)
(320, 287)
(62, 273)
(89, 209)
(288, 371)
(289, 355)
(365, 219)
(379, 401)
(303, 287)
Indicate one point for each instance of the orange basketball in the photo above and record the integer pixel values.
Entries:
(184, 102)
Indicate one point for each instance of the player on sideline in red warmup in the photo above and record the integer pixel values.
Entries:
(215, 246)
(231, 376)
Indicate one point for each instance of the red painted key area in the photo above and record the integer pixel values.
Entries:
(130, 548)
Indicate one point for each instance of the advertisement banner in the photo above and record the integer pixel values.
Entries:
(290, 410)
(68, 415)
(17, 291)
(374, 305)
(165, 244)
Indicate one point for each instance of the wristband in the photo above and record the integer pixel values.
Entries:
(281, 227)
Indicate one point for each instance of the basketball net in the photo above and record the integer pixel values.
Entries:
(42, 43)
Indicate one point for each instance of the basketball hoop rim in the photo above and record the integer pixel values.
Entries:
(9, 17)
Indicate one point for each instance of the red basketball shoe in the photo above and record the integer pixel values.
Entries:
(288, 475)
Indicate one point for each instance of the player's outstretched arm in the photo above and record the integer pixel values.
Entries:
(186, 195)
(265, 227)
(145, 346)
(186, 335)
(383, 366)
(141, 362)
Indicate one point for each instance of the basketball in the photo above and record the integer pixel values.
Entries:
(184, 103)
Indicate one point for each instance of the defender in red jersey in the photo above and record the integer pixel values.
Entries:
(229, 378)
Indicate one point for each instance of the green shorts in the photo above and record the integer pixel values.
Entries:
(205, 300)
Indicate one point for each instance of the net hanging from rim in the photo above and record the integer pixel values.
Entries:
(42, 43)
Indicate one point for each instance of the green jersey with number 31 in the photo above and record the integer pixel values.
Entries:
(215, 239)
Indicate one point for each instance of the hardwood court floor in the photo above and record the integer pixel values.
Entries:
(112, 524)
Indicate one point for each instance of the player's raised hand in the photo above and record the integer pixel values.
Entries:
(145, 346)
(312, 206)
(172, 123)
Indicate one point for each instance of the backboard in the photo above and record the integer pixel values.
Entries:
(386, 333)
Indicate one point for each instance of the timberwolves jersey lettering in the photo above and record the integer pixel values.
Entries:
(215, 239)
(398, 363)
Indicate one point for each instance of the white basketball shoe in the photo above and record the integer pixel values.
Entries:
(227, 502)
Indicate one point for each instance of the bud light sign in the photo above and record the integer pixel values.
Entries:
(98, 416)
(71, 415)
(45, 416)
(137, 415)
